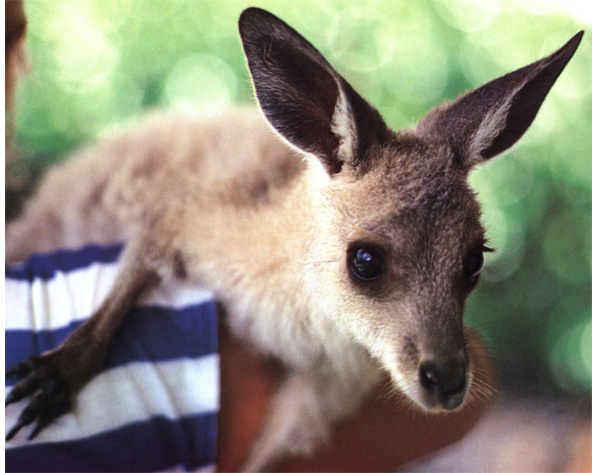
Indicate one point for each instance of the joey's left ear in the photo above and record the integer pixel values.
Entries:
(493, 117)
(303, 97)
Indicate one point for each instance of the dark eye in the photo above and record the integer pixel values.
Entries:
(365, 262)
(474, 264)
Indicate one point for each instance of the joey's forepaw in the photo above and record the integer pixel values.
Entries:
(50, 396)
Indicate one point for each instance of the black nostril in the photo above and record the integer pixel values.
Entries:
(443, 378)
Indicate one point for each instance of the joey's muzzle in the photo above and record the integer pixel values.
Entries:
(444, 382)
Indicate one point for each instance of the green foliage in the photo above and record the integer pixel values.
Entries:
(97, 63)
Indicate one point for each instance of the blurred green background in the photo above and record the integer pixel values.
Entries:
(98, 63)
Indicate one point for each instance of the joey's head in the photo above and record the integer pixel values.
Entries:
(398, 245)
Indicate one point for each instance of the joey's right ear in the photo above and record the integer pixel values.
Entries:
(303, 97)
(493, 117)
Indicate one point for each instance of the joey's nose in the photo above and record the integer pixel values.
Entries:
(444, 381)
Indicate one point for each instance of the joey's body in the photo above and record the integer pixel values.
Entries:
(350, 249)
(230, 204)
(220, 194)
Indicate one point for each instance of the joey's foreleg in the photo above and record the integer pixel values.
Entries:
(54, 378)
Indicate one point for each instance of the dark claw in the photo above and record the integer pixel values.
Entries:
(12, 397)
(51, 401)
(26, 418)
(27, 386)
(42, 422)
(40, 425)
(14, 430)
(48, 417)
(23, 368)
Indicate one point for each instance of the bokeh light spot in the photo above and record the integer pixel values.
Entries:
(566, 246)
(202, 81)
(570, 358)
(360, 39)
(469, 15)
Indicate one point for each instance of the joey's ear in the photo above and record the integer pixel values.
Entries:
(491, 118)
(303, 97)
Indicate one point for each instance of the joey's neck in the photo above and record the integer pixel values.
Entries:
(267, 238)
(289, 221)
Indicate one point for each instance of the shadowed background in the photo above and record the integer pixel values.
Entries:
(101, 63)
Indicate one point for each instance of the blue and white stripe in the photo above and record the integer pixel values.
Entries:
(154, 405)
